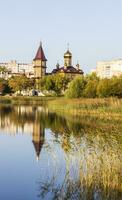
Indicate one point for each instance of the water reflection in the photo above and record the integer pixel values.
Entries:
(79, 158)
(38, 136)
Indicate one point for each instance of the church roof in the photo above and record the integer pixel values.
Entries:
(40, 54)
(69, 69)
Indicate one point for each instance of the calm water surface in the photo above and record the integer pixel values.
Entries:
(48, 156)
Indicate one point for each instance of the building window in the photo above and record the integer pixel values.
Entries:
(107, 71)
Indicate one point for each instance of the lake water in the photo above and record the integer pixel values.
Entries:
(48, 156)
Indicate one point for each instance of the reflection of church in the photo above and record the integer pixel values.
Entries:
(38, 137)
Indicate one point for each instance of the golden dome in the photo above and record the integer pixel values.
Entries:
(68, 54)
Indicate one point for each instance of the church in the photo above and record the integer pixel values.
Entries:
(39, 64)
(38, 67)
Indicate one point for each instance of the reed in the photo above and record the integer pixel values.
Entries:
(102, 107)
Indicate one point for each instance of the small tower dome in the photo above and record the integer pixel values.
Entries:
(67, 58)
(68, 54)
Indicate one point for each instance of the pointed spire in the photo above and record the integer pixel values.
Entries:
(77, 65)
(40, 54)
(57, 65)
(40, 43)
(67, 46)
(38, 147)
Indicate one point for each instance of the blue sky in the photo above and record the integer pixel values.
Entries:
(92, 27)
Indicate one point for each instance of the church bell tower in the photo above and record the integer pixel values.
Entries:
(39, 63)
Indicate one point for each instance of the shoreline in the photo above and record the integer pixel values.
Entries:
(102, 107)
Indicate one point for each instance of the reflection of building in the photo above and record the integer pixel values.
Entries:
(68, 69)
(107, 69)
(38, 137)
(39, 63)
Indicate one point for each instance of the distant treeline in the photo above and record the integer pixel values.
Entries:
(89, 86)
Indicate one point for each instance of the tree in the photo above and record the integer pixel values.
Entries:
(110, 87)
(4, 88)
(46, 83)
(104, 88)
(3, 69)
(92, 77)
(116, 86)
(61, 83)
(76, 88)
(57, 83)
(19, 83)
(91, 89)
(2, 85)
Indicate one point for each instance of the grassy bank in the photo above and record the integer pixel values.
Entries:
(102, 107)
(25, 100)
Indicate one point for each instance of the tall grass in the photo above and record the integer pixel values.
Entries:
(106, 106)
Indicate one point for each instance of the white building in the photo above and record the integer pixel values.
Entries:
(15, 68)
(107, 69)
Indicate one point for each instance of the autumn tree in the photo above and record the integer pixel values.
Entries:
(19, 83)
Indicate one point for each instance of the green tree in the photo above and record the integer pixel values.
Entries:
(76, 88)
(104, 88)
(46, 83)
(116, 86)
(92, 77)
(90, 90)
(57, 83)
(61, 83)
(3, 69)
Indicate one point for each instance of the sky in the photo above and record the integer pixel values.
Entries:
(93, 29)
